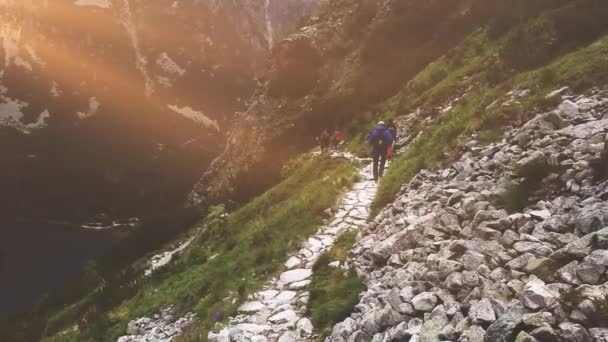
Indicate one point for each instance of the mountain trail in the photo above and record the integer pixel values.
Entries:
(278, 311)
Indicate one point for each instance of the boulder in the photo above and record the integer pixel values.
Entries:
(568, 273)
(545, 333)
(572, 332)
(287, 317)
(344, 329)
(359, 336)
(507, 325)
(568, 109)
(591, 270)
(524, 337)
(288, 336)
(425, 301)
(591, 218)
(305, 327)
(542, 267)
(430, 330)
(538, 319)
(482, 312)
(536, 295)
(474, 334)
(599, 334)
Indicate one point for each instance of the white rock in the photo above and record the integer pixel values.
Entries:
(267, 295)
(288, 317)
(285, 297)
(425, 301)
(257, 329)
(305, 326)
(293, 262)
(289, 336)
(295, 275)
(334, 264)
(251, 307)
(536, 295)
(299, 285)
(568, 108)
(540, 214)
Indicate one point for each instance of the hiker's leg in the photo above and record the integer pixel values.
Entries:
(375, 166)
(382, 165)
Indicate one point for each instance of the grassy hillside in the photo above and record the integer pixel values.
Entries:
(469, 91)
(232, 256)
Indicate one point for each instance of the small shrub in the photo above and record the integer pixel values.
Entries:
(571, 297)
(517, 196)
(601, 310)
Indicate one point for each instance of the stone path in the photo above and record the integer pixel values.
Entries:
(277, 312)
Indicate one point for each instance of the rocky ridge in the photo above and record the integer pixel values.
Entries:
(445, 263)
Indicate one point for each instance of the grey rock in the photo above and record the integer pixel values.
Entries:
(599, 334)
(568, 273)
(474, 334)
(430, 330)
(572, 332)
(545, 333)
(507, 325)
(542, 267)
(447, 333)
(593, 267)
(538, 319)
(305, 326)
(536, 295)
(425, 301)
(592, 218)
(482, 312)
(359, 336)
(345, 328)
(524, 337)
(288, 336)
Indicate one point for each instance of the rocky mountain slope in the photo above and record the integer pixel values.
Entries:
(456, 257)
(165, 75)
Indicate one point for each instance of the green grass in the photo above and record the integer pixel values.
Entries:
(467, 69)
(334, 292)
(236, 255)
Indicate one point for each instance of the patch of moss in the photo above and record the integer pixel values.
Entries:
(334, 291)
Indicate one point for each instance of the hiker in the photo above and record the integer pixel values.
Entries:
(336, 139)
(324, 140)
(380, 139)
(392, 128)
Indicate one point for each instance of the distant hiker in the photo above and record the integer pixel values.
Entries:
(380, 139)
(336, 139)
(325, 140)
(393, 129)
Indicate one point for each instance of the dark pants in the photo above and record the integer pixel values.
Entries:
(379, 163)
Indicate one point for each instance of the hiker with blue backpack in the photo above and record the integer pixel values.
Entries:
(380, 139)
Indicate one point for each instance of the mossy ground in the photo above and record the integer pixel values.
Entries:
(233, 256)
(334, 292)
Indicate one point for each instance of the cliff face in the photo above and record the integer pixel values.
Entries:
(122, 98)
